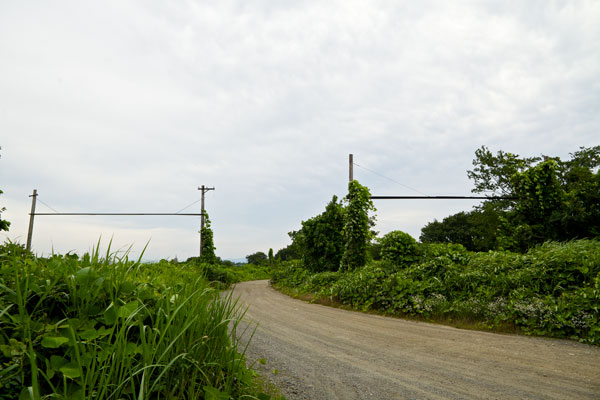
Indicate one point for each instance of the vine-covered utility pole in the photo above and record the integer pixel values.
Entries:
(204, 189)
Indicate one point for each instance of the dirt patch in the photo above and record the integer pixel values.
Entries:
(317, 352)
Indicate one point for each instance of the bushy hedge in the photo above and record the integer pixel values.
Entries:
(552, 290)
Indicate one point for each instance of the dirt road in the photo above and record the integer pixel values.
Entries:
(317, 352)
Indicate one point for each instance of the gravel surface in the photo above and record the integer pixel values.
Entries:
(318, 352)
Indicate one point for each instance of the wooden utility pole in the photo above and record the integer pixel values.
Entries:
(31, 216)
(204, 190)
(351, 167)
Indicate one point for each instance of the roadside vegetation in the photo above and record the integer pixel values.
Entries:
(552, 290)
(106, 327)
(528, 262)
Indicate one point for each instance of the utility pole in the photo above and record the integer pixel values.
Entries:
(351, 167)
(31, 215)
(204, 190)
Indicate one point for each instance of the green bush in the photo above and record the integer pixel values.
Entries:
(400, 248)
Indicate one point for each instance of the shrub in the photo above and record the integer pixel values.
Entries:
(399, 248)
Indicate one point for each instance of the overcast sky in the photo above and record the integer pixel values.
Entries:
(129, 106)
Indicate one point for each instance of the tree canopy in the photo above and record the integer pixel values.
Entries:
(550, 199)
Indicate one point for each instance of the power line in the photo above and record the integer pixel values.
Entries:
(188, 206)
(47, 205)
(390, 179)
(443, 197)
(134, 214)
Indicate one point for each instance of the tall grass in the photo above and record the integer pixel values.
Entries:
(106, 327)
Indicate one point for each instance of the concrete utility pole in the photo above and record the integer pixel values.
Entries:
(204, 190)
(31, 215)
(351, 167)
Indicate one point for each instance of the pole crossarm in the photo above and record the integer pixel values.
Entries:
(443, 198)
(133, 214)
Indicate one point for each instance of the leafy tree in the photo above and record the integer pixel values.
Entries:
(357, 226)
(580, 178)
(557, 200)
(208, 246)
(553, 200)
(541, 200)
(399, 247)
(492, 173)
(476, 230)
(258, 258)
(271, 258)
(323, 239)
(293, 251)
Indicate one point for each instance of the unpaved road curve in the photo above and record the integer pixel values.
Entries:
(321, 352)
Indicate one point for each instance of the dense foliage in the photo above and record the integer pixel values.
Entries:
(399, 248)
(357, 226)
(552, 290)
(222, 275)
(476, 230)
(338, 238)
(258, 258)
(546, 199)
(106, 327)
(322, 239)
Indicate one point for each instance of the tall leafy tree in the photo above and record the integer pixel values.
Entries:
(357, 226)
(492, 173)
(323, 239)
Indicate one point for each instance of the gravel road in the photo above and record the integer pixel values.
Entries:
(318, 352)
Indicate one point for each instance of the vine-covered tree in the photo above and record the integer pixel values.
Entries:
(208, 246)
(357, 226)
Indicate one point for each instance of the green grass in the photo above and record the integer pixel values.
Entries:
(106, 327)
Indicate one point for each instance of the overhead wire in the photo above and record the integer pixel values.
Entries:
(40, 200)
(390, 179)
(188, 206)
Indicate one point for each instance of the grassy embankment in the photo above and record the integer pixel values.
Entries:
(105, 327)
(552, 290)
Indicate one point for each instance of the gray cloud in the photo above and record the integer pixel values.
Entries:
(132, 105)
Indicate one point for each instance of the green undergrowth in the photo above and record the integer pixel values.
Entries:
(222, 276)
(552, 290)
(106, 327)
